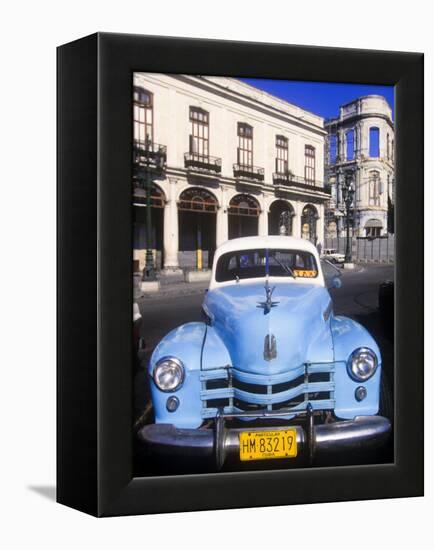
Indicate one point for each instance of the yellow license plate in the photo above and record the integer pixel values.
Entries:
(269, 444)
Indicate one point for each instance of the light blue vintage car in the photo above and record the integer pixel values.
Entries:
(271, 373)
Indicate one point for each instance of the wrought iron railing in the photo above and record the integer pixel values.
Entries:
(148, 154)
(247, 171)
(295, 181)
(203, 163)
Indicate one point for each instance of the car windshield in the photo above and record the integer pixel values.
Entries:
(255, 263)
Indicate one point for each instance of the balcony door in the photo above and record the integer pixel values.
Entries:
(245, 145)
(199, 137)
(281, 155)
(143, 117)
(309, 164)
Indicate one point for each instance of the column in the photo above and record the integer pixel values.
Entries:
(171, 229)
(263, 219)
(364, 135)
(296, 221)
(222, 221)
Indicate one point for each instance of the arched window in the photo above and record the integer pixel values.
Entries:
(244, 205)
(143, 117)
(349, 140)
(158, 198)
(374, 142)
(309, 164)
(196, 199)
(374, 188)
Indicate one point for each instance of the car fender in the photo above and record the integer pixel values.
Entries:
(185, 343)
(349, 335)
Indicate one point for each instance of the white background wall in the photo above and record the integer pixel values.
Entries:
(30, 32)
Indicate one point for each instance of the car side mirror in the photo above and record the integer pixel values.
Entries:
(336, 282)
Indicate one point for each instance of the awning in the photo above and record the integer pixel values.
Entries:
(373, 223)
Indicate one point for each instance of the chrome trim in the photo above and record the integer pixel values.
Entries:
(269, 303)
(270, 348)
(311, 443)
(369, 431)
(364, 432)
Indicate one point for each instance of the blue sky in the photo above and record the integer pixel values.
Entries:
(322, 98)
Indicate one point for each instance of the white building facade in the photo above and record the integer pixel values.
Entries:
(360, 148)
(217, 159)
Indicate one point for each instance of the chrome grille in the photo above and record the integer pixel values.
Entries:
(231, 391)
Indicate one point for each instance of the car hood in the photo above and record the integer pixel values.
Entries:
(297, 323)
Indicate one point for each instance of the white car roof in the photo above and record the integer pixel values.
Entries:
(269, 241)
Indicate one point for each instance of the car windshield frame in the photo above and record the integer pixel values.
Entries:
(257, 263)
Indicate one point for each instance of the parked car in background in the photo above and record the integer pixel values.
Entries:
(271, 373)
(333, 256)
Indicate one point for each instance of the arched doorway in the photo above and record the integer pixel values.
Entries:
(243, 214)
(140, 238)
(309, 219)
(197, 209)
(280, 218)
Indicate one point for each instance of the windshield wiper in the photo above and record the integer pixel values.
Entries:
(285, 267)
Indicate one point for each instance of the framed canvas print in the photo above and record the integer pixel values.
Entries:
(240, 303)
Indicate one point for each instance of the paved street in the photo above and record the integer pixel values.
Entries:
(357, 298)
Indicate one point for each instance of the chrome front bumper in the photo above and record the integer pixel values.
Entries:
(361, 434)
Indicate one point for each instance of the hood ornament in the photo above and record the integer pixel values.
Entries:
(268, 304)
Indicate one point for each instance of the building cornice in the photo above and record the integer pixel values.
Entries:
(250, 102)
(355, 118)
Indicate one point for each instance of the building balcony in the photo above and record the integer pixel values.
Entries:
(149, 156)
(288, 180)
(248, 172)
(202, 163)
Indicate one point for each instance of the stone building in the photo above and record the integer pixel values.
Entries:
(360, 148)
(221, 159)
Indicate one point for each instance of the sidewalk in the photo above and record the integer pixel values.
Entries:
(169, 286)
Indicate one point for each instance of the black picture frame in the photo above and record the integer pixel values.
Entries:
(94, 373)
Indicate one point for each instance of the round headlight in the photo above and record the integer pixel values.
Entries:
(362, 364)
(168, 374)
